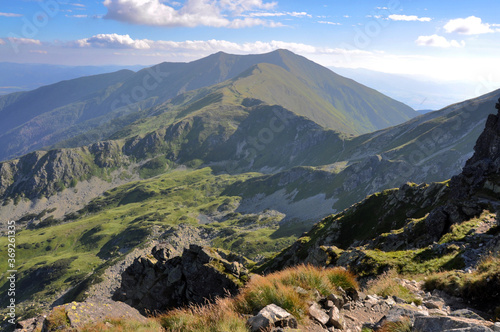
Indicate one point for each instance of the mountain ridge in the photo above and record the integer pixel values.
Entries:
(135, 96)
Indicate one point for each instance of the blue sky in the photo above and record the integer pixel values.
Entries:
(449, 40)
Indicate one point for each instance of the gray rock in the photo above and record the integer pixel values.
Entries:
(200, 274)
(404, 310)
(440, 324)
(434, 304)
(270, 317)
(318, 314)
(335, 319)
(466, 313)
(337, 300)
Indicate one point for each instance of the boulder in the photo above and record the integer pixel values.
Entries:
(270, 317)
(318, 314)
(200, 274)
(442, 323)
(466, 313)
(337, 300)
(335, 319)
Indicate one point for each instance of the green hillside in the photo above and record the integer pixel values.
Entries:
(86, 110)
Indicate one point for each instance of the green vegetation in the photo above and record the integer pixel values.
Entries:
(122, 325)
(386, 285)
(278, 288)
(58, 320)
(404, 325)
(481, 287)
(220, 316)
(458, 232)
(407, 262)
(74, 253)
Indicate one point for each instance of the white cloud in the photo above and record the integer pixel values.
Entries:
(193, 13)
(10, 15)
(299, 14)
(38, 51)
(78, 5)
(471, 25)
(241, 6)
(396, 17)
(113, 41)
(438, 41)
(328, 22)
(77, 16)
(198, 48)
(279, 14)
(23, 41)
(2, 41)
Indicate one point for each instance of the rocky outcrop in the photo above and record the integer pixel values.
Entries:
(75, 315)
(355, 311)
(200, 274)
(43, 173)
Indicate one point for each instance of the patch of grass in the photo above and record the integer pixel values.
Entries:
(407, 262)
(458, 232)
(387, 285)
(57, 320)
(229, 314)
(219, 316)
(404, 325)
(482, 287)
(123, 325)
(280, 288)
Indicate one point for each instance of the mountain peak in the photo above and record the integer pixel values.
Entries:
(486, 159)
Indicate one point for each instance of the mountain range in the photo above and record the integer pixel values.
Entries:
(249, 151)
(51, 114)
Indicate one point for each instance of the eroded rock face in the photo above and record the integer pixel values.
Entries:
(198, 275)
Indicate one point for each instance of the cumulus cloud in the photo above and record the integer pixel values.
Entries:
(23, 41)
(438, 41)
(113, 41)
(471, 25)
(193, 13)
(10, 15)
(396, 17)
(204, 47)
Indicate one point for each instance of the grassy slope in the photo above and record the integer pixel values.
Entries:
(54, 258)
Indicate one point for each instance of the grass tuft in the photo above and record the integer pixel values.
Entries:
(401, 326)
(387, 285)
(280, 288)
(219, 316)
